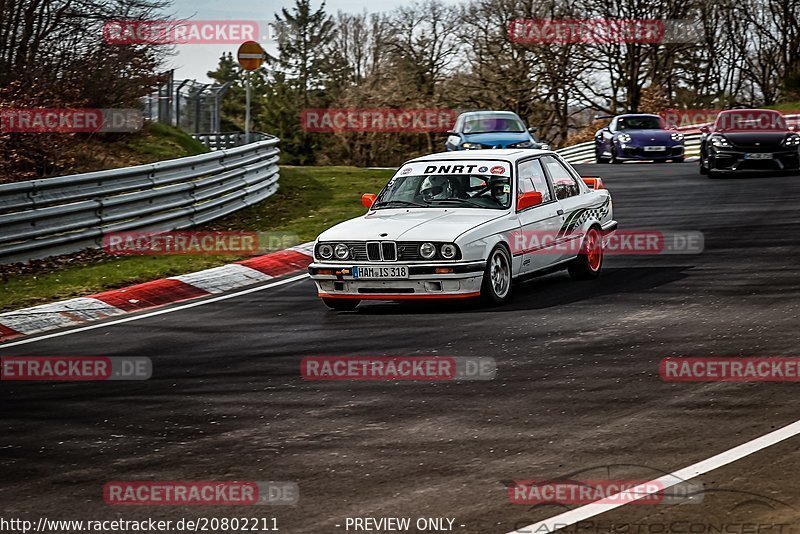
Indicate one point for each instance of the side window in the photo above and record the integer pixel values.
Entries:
(564, 184)
(531, 178)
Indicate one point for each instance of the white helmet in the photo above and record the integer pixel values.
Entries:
(436, 188)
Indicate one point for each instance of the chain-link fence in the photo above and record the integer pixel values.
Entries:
(190, 105)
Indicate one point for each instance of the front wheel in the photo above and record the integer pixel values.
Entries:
(677, 160)
(614, 159)
(496, 286)
(598, 158)
(703, 165)
(590, 260)
(341, 304)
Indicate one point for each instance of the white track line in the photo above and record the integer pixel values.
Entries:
(154, 313)
(655, 486)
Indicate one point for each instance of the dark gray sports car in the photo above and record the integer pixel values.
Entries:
(749, 139)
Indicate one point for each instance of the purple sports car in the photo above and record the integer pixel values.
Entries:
(637, 137)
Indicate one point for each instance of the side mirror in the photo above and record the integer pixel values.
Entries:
(532, 129)
(594, 182)
(368, 199)
(451, 132)
(704, 129)
(527, 200)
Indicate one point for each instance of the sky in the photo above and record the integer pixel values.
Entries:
(194, 60)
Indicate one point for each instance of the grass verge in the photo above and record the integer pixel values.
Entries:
(310, 200)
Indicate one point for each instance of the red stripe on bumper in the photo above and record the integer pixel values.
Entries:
(278, 263)
(150, 295)
(373, 296)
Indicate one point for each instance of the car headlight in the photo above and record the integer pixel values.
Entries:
(677, 136)
(523, 144)
(342, 251)
(470, 146)
(792, 140)
(719, 141)
(427, 250)
(545, 146)
(624, 138)
(449, 251)
(325, 251)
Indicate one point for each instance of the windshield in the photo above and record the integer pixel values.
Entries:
(639, 123)
(750, 120)
(440, 190)
(492, 123)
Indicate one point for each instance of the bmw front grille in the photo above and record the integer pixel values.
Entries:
(381, 251)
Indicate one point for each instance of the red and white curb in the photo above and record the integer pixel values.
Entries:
(153, 294)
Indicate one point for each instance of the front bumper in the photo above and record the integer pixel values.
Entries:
(334, 280)
(733, 160)
(630, 152)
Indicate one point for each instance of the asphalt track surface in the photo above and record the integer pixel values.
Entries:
(577, 391)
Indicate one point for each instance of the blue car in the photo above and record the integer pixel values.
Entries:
(637, 137)
(490, 129)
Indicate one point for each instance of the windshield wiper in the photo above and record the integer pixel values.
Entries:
(402, 202)
(469, 201)
(495, 131)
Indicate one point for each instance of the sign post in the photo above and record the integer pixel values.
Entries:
(251, 57)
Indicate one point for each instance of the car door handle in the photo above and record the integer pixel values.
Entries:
(560, 212)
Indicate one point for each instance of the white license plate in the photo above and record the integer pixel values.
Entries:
(759, 155)
(393, 272)
(655, 148)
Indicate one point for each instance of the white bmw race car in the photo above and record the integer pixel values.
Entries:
(465, 225)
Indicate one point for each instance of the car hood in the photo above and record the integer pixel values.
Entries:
(423, 224)
(502, 139)
(647, 137)
(765, 139)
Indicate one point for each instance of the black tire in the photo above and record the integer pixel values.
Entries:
(341, 304)
(711, 172)
(614, 159)
(587, 265)
(703, 168)
(497, 277)
(677, 160)
(598, 158)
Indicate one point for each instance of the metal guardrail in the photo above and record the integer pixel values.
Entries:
(51, 216)
(222, 141)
